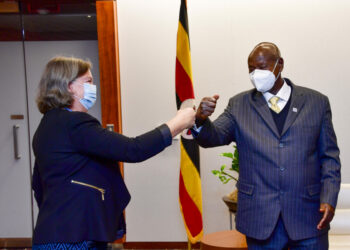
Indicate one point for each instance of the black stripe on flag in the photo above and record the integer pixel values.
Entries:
(192, 150)
(183, 15)
(178, 102)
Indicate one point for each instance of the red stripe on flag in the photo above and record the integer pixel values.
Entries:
(190, 211)
(184, 88)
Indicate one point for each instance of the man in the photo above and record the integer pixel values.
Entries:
(289, 159)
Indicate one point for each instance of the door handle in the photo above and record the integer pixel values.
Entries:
(110, 127)
(15, 141)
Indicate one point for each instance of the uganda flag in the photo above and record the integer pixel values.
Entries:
(190, 192)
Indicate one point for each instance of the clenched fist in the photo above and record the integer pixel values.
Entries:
(186, 117)
(205, 109)
(183, 119)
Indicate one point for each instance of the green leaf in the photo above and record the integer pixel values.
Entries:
(226, 181)
(222, 167)
(222, 178)
(235, 154)
(215, 172)
(223, 175)
(229, 155)
(235, 167)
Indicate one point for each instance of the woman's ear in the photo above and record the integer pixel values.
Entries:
(70, 87)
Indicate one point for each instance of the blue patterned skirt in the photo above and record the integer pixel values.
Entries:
(85, 245)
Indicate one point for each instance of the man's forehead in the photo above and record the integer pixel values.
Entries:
(262, 54)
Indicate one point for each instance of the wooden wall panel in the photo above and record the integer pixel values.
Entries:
(107, 31)
(16, 243)
(108, 49)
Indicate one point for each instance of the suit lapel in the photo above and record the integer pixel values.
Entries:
(259, 103)
(296, 105)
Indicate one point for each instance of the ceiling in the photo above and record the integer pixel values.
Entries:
(48, 20)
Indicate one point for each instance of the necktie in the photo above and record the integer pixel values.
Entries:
(273, 100)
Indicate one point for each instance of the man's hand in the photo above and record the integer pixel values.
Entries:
(205, 109)
(328, 214)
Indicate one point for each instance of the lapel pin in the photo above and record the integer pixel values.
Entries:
(295, 110)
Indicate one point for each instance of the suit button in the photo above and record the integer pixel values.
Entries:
(281, 192)
(281, 145)
(282, 168)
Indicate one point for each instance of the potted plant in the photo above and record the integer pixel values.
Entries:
(225, 176)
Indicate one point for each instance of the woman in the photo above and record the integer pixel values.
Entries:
(77, 184)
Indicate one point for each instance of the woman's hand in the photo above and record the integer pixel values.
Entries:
(183, 119)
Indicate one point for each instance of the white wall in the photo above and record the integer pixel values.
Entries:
(313, 38)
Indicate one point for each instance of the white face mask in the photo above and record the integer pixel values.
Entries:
(263, 80)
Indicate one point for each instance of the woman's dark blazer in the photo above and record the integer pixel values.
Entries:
(77, 184)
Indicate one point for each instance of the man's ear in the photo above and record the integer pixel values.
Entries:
(281, 63)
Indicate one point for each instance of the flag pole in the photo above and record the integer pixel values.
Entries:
(189, 245)
(190, 191)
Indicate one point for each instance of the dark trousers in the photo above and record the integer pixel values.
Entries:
(84, 245)
(279, 240)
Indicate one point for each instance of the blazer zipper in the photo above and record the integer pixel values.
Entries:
(101, 190)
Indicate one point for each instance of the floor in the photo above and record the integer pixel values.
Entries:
(114, 247)
(108, 249)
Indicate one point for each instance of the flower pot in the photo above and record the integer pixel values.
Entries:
(231, 201)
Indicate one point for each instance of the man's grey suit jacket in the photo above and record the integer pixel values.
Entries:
(286, 174)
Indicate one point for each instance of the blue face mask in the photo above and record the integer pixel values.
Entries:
(89, 98)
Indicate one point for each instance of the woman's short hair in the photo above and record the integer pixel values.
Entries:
(53, 86)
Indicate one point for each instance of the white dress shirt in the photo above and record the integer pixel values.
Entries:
(283, 94)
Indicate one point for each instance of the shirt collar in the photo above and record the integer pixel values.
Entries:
(283, 93)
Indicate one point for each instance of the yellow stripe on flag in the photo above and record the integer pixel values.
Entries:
(183, 50)
(191, 178)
